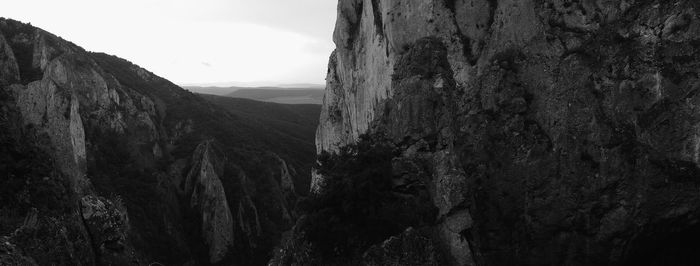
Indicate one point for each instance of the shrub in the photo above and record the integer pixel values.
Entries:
(357, 207)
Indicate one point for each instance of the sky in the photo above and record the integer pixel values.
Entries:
(197, 42)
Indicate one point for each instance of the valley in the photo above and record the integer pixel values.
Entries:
(145, 170)
(448, 132)
(267, 94)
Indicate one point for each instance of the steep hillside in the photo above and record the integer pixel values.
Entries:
(105, 163)
(294, 94)
(276, 95)
(482, 132)
(296, 120)
(211, 90)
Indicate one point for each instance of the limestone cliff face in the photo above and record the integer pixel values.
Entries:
(207, 197)
(95, 128)
(53, 86)
(108, 225)
(555, 132)
(62, 89)
(9, 72)
(223, 199)
(44, 105)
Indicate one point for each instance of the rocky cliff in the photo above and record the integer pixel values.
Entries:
(104, 162)
(207, 197)
(545, 132)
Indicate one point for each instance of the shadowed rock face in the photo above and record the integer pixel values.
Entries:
(208, 198)
(9, 70)
(555, 132)
(49, 88)
(408, 248)
(196, 184)
(108, 225)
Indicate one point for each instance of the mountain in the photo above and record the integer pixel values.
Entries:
(103, 162)
(291, 95)
(255, 85)
(301, 85)
(296, 120)
(211, 90)
(480, 132)
(288, 96)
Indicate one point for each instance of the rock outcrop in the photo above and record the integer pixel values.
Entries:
(198, 184)
(409, 248)
(45, 81)
(10, 255)
(9, 71)
(55, 112)
(207, 197)
(554, 132)
(108, 225)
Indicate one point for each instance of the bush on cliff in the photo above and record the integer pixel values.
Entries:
(357, 206)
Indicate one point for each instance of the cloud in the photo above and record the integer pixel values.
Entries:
(315, 18)
(281, 41)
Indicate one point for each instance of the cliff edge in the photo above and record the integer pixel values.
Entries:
(546, 132)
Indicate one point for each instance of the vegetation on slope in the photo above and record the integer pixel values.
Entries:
(237, 133)
(247, 144)
(38, 210)
(289, 96)
(358, 206)
(135, 161)
(296, 120)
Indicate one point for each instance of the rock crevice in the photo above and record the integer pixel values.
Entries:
(553, 132)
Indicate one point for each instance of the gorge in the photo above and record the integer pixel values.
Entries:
(106, 163)
(452, 132)
(504, 132)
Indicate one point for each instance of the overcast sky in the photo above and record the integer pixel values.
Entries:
(197, 41)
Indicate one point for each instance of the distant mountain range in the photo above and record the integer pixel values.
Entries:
(301, 85)
(298, 121)
(254, 84)
(285, 95)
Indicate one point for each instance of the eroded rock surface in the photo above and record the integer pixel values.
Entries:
(9, 71)
(208, 198)
(108, 225)
(82, 128)
(408, 248)
(10, 255)
(566, 131)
